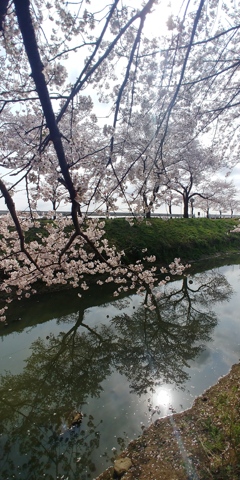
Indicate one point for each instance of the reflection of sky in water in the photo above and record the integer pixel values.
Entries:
(223, 350)
(123, 413)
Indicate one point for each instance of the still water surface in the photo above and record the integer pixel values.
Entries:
(120, 364)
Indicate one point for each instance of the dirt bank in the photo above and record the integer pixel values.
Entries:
(199, 444)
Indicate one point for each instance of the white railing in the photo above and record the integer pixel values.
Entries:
(42, 213)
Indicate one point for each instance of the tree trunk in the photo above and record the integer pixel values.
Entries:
(170, 210)
(147, 210)
(22, 8)
(185, 206)
(54, 205)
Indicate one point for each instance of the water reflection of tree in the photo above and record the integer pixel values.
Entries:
(64, 370)
(156, 349)
(159, 343)
(59, 376)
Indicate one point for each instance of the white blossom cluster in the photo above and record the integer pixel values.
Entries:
(236, 229)
(53, 260)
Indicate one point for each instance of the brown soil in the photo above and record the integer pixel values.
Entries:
(198, 444)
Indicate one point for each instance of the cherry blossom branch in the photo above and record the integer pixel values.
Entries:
(94, 248)
(11, 208)
(27, 99)
(3, 12)
(68, 245)
(26, 27)
(215, 74)
(194, 44)
(79, 83)
(124, 83)
(90, 70)
(174, 98)
(73, 49)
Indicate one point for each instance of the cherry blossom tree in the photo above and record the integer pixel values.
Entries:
(40, 110)
(57, 57)
(193, 92)
(189, 176)
(170, 199)
(182, 166)
(234, 205)
(210, 67)
(219, 195)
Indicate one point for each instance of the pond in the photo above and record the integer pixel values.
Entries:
(119, 364)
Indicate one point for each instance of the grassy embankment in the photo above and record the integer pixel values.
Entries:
(190, 239)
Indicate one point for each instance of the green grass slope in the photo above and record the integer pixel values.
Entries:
(189, 239)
